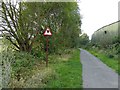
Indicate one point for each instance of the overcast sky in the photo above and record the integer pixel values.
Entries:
(97, 13)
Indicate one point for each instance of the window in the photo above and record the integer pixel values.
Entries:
(105, 32)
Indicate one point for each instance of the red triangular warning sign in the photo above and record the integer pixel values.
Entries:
(47, 32)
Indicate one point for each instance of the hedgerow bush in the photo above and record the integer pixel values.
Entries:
(22, 64)
(6, 57)
(111, 51)
(15, 64)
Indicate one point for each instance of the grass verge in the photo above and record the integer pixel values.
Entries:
(111, 62)
(68, 73)
(63, 71)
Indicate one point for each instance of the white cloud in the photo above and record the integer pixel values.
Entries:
(97, 13)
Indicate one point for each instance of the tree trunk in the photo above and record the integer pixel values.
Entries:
(25, 46)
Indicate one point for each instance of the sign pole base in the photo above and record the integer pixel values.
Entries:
(46, 51)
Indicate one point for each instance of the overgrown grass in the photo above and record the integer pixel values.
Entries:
(111, 62)
(68, 73)
(63, 71)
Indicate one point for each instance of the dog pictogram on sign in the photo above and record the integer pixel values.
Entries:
(47, 32)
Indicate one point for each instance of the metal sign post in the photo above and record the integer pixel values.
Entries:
(47, 33)
(47, 51)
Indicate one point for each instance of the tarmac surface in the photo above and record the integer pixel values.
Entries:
(96, 74)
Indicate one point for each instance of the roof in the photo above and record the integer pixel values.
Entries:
(108, 25)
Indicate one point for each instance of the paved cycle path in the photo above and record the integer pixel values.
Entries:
(95, 73)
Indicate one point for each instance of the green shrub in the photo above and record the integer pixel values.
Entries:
(7, 57)
(23, 63)
(110, 56)
(118, 49)
(38, 53)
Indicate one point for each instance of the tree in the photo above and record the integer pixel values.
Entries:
(83, 40)
(31, 19)
(17, 26)
(62, 18)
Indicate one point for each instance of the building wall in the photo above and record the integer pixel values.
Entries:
(106, 35)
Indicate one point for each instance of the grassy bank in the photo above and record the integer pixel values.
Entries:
(111, 62)
(63, 71)
(68, 72)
